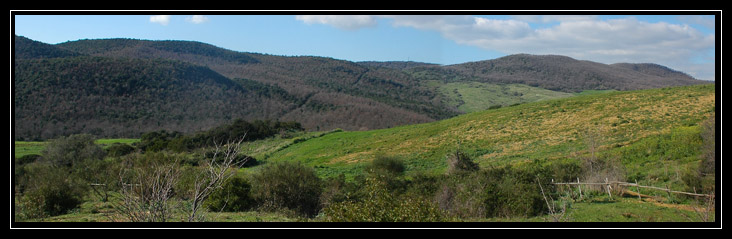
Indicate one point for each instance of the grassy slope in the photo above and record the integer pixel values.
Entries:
(470, 96)
(550, 129)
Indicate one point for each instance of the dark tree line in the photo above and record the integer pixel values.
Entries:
(237, 130)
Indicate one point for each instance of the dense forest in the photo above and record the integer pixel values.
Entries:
(124, 87)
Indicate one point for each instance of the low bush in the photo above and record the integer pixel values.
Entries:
(119, 149)
(383, 206)
(234, 196)
(66, 151)
(26, 159)
(494, 192)
(460, 162)
(50, 192)
(287, 186)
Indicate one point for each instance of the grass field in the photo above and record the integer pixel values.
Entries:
(23, 148)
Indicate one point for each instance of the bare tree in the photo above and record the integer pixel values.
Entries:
(216, 172)
(706, 208)
(557, 214)
(146, 191)
(592, 139)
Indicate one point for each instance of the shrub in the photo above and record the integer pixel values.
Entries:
(66, 151)
(495, 192)
(460, 162)
(335, 190)
(119, 149)
(234, 196)
(26, 159)
(386, 165)
(287, 186)
(702, 178)
(383, 206)
(101, 175)
(389, 170)
(50, 192)
(156, 140)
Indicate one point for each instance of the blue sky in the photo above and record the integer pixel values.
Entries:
(685, 43)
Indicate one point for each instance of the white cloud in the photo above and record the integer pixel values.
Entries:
(346, 22)
(160, 19)
(197, 19)
(553, 18)
(706, 21)
(581, 37)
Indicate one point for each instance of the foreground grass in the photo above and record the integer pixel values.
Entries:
(596, 209)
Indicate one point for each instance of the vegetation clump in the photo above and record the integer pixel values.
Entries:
(283, 186)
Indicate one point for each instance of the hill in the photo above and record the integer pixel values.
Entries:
(560, 73)
(29, 49)
(125, 97)
(112, 87)
(400, 65)
(546, 130)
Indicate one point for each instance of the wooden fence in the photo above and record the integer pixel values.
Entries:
(608, 186)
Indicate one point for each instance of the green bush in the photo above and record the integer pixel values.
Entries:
(119, 149)
(383, 206)
(460, 162)
(26, 159)
(66, 151)
(336, 189)
(234, 196)
(287, 186)
(494, 192)
(386, 165)
(50, 192)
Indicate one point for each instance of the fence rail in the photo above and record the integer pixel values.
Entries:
(608, 187)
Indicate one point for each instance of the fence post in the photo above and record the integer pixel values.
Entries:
(637, 189)
(607, 187)
(580, 187)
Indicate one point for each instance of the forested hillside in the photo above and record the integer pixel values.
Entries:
(560, 73)
(125, 97)
(123, 87)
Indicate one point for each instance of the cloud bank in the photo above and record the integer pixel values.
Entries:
(678, 46)
(346, 22)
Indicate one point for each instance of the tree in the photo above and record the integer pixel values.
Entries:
(216, 172)
(147, 186)
(67, 151)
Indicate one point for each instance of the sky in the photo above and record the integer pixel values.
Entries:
(681, 42)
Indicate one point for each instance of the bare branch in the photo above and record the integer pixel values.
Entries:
(216, 173)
